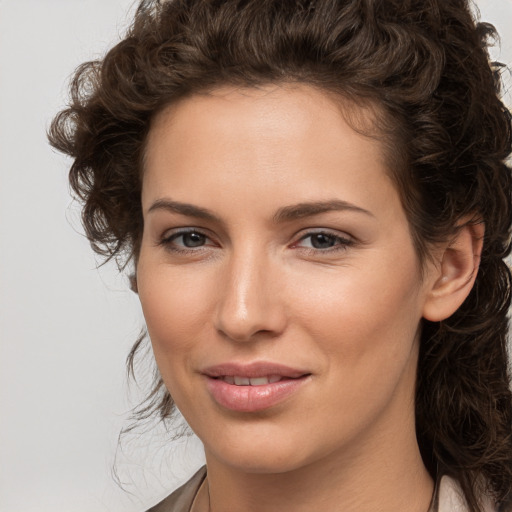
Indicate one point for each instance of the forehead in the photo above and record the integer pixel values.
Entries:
(281, 139)
(235, 127)
(302, 101)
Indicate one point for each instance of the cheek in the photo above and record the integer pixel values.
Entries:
(175, 306)
(362, 316)
(365, 332)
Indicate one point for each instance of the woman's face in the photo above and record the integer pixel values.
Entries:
(276, 253)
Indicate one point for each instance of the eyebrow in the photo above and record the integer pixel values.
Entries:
(300, 210)
(285, 214)
(187, 209)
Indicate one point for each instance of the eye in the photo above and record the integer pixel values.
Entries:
(185, 240)
(191, 239)
(323, 241)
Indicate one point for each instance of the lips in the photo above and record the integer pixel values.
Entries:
(254, 370)
(239, 380)
(253, 387)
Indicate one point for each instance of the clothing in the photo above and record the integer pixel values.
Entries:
(182, 498)
(447, 496)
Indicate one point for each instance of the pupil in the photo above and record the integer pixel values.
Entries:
(193, 239)
(322, 241)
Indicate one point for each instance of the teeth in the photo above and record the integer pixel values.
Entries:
(257, 381)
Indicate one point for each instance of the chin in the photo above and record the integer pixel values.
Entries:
(262, 462)
(263, 451)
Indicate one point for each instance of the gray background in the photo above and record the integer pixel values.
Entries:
(66, 327)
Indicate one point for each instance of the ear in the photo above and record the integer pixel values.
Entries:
(452, 279)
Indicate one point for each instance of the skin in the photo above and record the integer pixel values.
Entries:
(258, 290)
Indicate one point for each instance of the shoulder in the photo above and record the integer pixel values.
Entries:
(450, 497)
(181, 499)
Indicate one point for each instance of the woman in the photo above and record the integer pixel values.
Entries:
(315, 199)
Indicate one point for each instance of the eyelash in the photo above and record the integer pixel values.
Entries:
(167, 241)
(341, 243)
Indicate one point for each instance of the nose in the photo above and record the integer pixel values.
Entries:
(250, 302)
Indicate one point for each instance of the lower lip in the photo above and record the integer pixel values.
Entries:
(252, 398)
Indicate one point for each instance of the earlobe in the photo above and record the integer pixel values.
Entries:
(455, 273)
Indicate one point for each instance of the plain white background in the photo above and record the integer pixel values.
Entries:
(66, 327)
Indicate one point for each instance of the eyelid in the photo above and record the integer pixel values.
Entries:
(345, 240)
(168, 237)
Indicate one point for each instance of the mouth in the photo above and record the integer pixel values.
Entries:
(245, 373)
(254, 387)
(238, 380)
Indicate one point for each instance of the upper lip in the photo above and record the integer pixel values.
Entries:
(253, 370)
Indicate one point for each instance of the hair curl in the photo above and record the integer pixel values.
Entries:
(425, 64)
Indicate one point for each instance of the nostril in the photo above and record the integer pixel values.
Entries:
(248, 307)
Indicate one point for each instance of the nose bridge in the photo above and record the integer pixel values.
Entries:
(248, 303)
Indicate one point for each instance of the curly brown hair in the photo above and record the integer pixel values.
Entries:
(425, 64)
